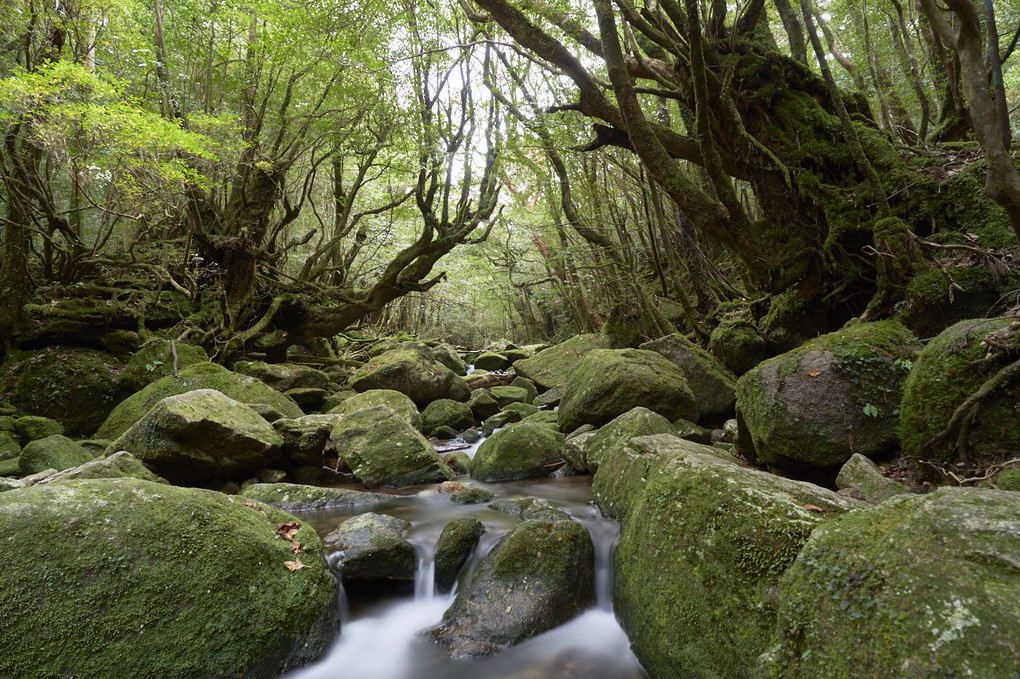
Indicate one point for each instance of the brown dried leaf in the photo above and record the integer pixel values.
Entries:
(288, 529)
(814, 373)
(253, 505)
(295, 547)
(294, 565)
(813, 508)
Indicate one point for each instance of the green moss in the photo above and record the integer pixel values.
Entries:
(155, 360)
(549, 367)
(633, 423)
(53, 452)
(947, 372)
(118, 577)
(411, 370)
(738, 344)
(247, 390)
(935, 299)
(519, 451)
(395, 400)
(530, 548)
(448, 413)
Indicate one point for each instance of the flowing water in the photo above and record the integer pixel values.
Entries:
(381, 638)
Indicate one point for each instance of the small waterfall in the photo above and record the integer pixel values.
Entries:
(425, 572)
(343, 605)
(605, 533)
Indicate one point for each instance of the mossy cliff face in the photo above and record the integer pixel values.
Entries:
(607, 383)
(948, 371)
(919, 586)
(834, 396)
(549, 367)
(247, 390)
(703, 545)
(125, 578)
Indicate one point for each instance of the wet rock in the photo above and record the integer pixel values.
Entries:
(382, 449)
(297, 497)
(53, 452)
(455, 545)
(712, 384)
(529, 509)
(202, 578)
(833, 396)
(120, 465)
(482, 404)
(459, 462)
(372, 547)
(918, 586)
(471, 436)
(607, 383)
(241, 388)
(399, 402)
(472, 495)
(304, 438)
(446, 413)
(536, 577)
(549, 367)
(411, 370)
(864, 475)
(200, 436)
(518, 451)
(720, 537)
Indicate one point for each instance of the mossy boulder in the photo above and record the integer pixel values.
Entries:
(607, 383)
(455, 545)
(491, 360)
(633, 423)
(527, 385)
(293, 497)
(482, 404)
(550, 398)
(713, 385)
(918, 586)
(703, 545)
(155, 360)
(862, 475)
(518, 451)
(9, 445)
(247, 390)
(34, 427)
(505, 395)
(448, 413)
(500, 419)
(120, 577)
(575, 450)
(449, 357)
(53, 452)
(547, 418)
(413, 371)
(458, 461)
(120, 465)
(304, 438)
(199, 436)
(936, 299)
(400, 403)
(520, 409)
(372, 547)
(284, 376)
(472, 495)
(536, 577)
(76, 387)
(550, 366)
(951, 368)
(834, 396)
(738, 344)
(382, 449)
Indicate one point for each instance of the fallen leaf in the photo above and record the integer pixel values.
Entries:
(813, 508)
(295, 547)
(814, 373)
(253, 505)
(294, 565)
(288, 529)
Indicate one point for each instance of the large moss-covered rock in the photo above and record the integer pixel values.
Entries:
(738, 344)
(607, 383)
(126, 578)
(9, 446)
(550, 366)
(413, 371)
(703, 545)
(633, 423)
(241, 388)
(76, 387)
(536, 577)
(201, 435)
(936, 299)
(834, 396)
(518, 451)
(304, 438)
(455, 545)
(505, 395)
(491, 360)
(372, 547)
(446, 413)
(292, 497)
(382, 449)
(284, 376)
(482, 404)
(120, 465)
(395, 400)
(713, 385)
(449, 357)
(35, 427)
(155, 360)
(863, 476)
(919, 586)
(53, 452)
(945, 374)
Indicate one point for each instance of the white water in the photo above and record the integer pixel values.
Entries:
(386, 640)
